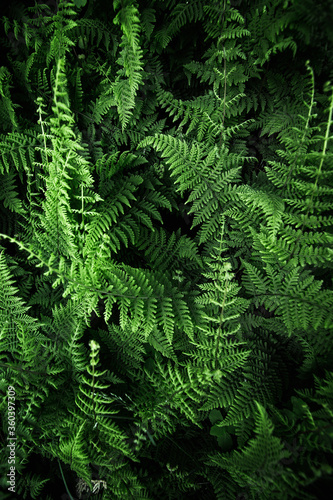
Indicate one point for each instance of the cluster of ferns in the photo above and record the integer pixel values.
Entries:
(166, 235)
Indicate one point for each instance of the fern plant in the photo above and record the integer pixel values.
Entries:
(165, 260)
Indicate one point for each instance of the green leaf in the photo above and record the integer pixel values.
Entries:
(223, 437)
(215, 416)
(80, 3)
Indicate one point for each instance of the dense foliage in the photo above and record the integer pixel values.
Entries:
(166, 248)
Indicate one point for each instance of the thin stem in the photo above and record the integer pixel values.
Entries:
(64, 480)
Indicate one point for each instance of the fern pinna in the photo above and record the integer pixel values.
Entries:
(166, 249)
